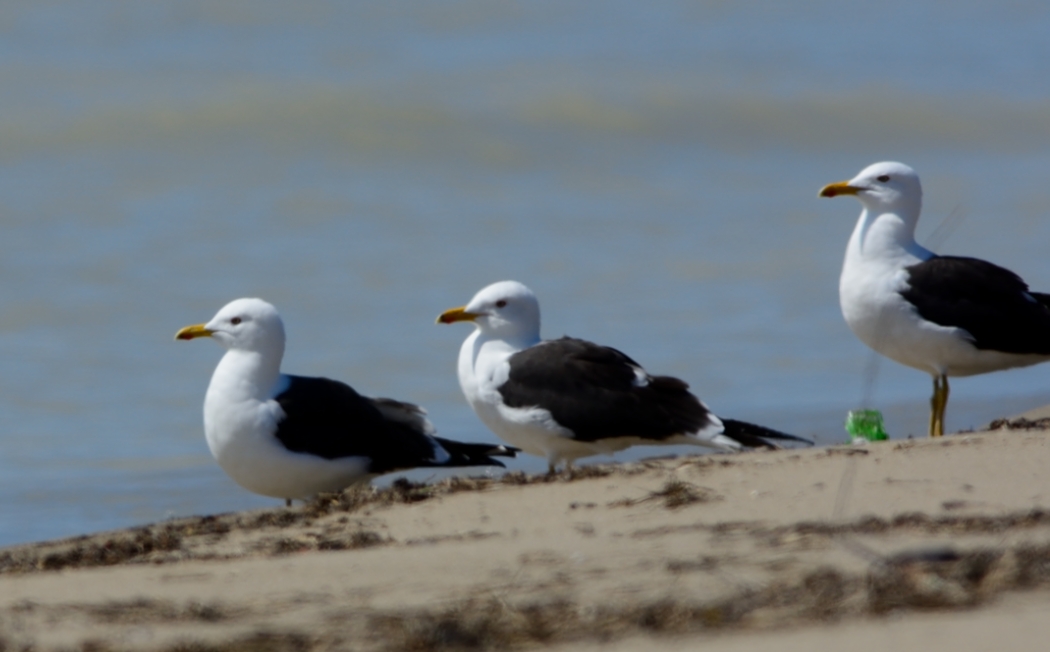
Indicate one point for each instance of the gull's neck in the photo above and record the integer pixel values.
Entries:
(245, 375)
(887, 236)
(481, 358)
(498, 346)
(510, 335)
(516, 340)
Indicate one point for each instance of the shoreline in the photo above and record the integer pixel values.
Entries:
(764, 548)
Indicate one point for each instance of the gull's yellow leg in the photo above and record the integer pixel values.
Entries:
(944, 405)
(938, 405)
(933, 407)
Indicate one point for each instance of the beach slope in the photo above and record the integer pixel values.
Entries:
(898, 544)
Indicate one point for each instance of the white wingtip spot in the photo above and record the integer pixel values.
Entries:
(641, 379)
(440, 454)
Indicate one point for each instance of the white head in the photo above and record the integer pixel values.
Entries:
(886, 187)
(243, 325)
(507, 310)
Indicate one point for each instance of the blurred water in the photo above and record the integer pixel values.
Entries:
(650, 169)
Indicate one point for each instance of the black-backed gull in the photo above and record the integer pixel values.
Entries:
(569, 398)
(292, 436)
(945, 315)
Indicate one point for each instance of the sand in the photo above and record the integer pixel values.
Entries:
(903, 545)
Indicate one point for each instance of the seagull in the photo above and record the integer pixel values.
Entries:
(569, 398)
(945, 315)
(293, 436)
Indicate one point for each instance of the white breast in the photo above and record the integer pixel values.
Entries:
(873, 276)
(483, 366)
(240, 433)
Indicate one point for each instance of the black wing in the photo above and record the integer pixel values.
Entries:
(467, 454)
(329, 419)
(594, 391)
(991, 303)
(755, 436)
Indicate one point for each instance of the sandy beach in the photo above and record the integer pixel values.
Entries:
(909, 545)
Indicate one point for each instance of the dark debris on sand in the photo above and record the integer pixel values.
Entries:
(907, 582)
(674, 494)
(194, 537)
(1020, 423)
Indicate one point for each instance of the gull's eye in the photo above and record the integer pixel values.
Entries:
(884, 178)
(501, 303)
(235, 321)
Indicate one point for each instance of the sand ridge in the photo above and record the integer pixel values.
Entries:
(656, 553)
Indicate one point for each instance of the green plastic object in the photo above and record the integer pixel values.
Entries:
(865, 424)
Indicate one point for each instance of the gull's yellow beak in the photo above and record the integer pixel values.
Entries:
(190, 332)
(455, 314)
(840, 188)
